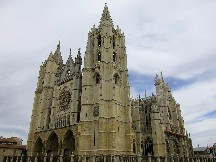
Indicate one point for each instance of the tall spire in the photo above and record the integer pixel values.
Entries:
(78, 59)
(57, 51)
(57, 54)
(105, 18)
(70, 59)
(157, 80)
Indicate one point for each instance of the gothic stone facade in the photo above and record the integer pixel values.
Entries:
(158, 124)
(89, 111)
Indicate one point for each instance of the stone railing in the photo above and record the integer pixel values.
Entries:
(107, 158)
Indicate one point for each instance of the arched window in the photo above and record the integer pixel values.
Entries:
(148, 146)
(114, 57)
(99, 41)
(97, 78)
(99, 57)
(169, 114)
(113, 41)
(134, 146)
(116, 79)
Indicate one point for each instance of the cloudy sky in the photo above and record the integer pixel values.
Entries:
(174, 36)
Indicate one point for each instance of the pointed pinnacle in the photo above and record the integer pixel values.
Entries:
(70, 52)
(58, 46)
(106, 16)
(156, 75)
(79, 51)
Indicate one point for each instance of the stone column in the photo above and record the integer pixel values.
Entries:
(61, 158)
(51, 158)
(177, 158)
(36, 158)
(113, 158)
(29, 158)
(172, 158)
(183, 160)
(165, 159)
(116, 158)
(104, 159)
(72, 157)
(158, 158)
(22, 158)
(93, 157)
(17, 159)
(139, 158)
(149, 157)
(83, 159)
(45, 157)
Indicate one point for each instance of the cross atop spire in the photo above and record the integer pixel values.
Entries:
(106, 18)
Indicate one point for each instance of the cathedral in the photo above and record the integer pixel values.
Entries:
(88, 110)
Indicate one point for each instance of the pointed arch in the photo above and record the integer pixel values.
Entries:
(99, 56)
(134, 147)
(68, 143)
(148, 146)
(169, 114)
(38, 147)
(114, 57)
(97, 78)
(52, 144)
(99, 40)
(113, 41)
(116, 78)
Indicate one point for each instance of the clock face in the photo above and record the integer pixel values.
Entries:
(64, 100)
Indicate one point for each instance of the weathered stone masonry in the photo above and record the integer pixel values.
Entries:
(90, 112)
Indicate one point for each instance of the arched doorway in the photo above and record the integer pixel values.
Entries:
(148, 146)
(38, 148)
(52, 144)
(69, 143)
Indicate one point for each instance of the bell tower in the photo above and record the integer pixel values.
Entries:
(105, 121)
